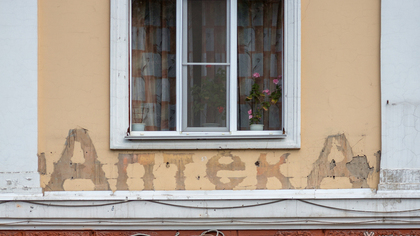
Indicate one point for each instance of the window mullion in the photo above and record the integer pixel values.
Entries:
(233, 103)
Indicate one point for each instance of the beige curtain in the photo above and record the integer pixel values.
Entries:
(153, 63)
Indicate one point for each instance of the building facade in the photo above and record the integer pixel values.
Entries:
(345, 163)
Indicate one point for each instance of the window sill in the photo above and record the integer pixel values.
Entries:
(142, 135)
(205, 143)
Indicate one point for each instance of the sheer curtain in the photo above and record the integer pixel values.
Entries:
(260, 49)
(153, 63)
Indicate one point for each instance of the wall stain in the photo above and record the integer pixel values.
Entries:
(265, 170)
(147, 160)
(42, 164)
(180, 160)
(360, 170)
(378, 161)
(332, 164)
(213, 166)
(91, 169)
(356, 168)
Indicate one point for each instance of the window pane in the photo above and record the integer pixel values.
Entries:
(260, 52)
(153, 64)
(206, 96)
(207, 31)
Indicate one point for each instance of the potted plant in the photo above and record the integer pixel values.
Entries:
(210, 98)
(259, 103)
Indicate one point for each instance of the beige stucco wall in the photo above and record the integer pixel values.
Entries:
(340, 110)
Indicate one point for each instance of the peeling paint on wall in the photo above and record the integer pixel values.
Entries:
(323, 168)
(42, 164)
(147, 160)
(378, 161)
(90, 169)
(265, 170)
(214, 166)
(79, 168)
(180, 160)
(355, 168)
(359, 170)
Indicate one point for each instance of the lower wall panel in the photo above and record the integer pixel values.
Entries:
(353, 232)
(225, 210)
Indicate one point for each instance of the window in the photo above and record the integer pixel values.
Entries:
(194, 74)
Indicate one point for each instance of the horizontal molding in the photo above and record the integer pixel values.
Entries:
(188, 210)
(203, 224)
(339, 194)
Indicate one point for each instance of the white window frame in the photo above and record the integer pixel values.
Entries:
(119, 92)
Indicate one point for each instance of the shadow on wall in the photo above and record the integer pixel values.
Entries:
(355, 168)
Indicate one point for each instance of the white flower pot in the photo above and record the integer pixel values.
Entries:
(256, 127)
(138, 126)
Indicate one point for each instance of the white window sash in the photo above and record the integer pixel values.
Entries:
(233, 64)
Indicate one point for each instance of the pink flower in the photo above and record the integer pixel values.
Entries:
(250, 116)
(267, 91)
(250, 112)
(276, 81)
(220, 109)
(256, 75)
(279, 77)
